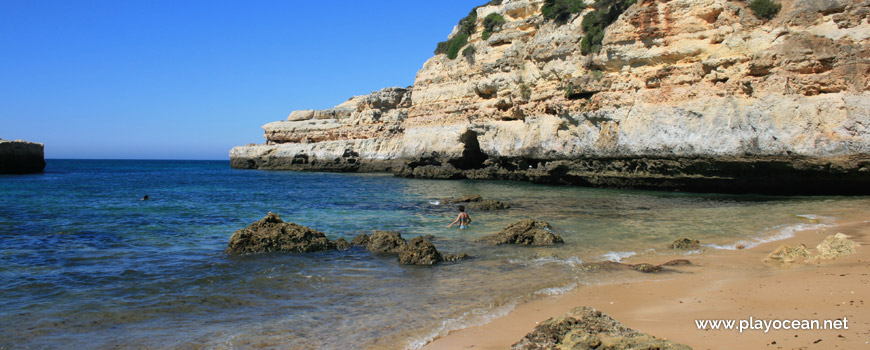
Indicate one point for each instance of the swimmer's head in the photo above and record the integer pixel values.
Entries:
(461, 208)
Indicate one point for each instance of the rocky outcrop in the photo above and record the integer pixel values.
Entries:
(686, 244)
(693, 95)
(788, 253)
(832, 247)
(524, 232)
(476, 202)
(385, 242)
(419, 251)
(21, 157)
(642, 267)
(587, 328)
(271, 234)
(835, 246)
(488, 204)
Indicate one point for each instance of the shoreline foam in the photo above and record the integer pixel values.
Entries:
(723, 284)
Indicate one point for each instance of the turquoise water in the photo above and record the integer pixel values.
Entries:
(86, 264)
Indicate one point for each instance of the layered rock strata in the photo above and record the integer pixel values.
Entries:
(21, 157)
(695, 95)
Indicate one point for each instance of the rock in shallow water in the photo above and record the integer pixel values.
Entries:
(488, 204)
(419, 251)
(271, 234)
(685, 243)
(385, 242)
(524, 232)
(588, 328)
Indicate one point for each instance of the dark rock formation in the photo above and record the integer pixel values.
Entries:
(21, 157)
(488, 204)
(455, 257)
(385, 242)
(419, 251)
(646, 268)
(360, 240)
(524, 232)
(677, 262)
(271, 234)
(686, 244)
(464, 199)
(476, 202)
(342, 244)
(587, 328)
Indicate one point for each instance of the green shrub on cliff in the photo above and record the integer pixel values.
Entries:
(469, 52)
(561, 10)
(595, 22)
(491, 24)
(765, 9)
(452, 46)
(456, 44)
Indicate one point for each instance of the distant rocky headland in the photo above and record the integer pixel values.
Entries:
(21, 157)
(691, 95)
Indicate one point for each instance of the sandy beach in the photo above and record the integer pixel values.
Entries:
(722, 284)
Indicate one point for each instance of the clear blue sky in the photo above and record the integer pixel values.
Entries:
(191, 79)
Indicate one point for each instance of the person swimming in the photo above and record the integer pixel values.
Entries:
(145, 198)
(463, 219)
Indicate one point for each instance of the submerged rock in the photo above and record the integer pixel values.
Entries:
(677, 262)
(588, 328)
(687, 244)
(488, 204)
(464, 199)
(271, 234)
(604, 265)
(455, 257)
(836, 246)
(385, 242)
(419, 251)
(788, 253)
(646, 268)
(642, 267)
(524, 232)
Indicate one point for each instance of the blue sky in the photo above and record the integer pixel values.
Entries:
(191, 79)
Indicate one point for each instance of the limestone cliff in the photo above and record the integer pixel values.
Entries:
(21, 157)
(695, 95)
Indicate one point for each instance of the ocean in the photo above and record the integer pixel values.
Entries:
(85, 264)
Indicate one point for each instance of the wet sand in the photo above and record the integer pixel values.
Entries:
(721, 285)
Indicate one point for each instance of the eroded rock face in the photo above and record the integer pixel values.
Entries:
(419, 251)
(524, 232)
(271, 234)
(587, 328)
(21, 157)
(693, 95)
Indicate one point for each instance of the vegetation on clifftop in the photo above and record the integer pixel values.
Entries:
(467, 26)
